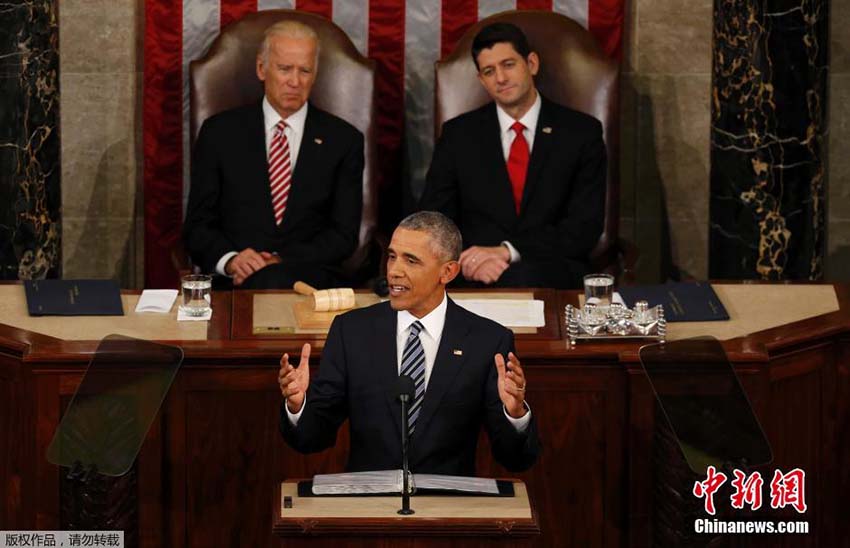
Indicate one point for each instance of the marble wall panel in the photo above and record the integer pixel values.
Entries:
(839, 37)
(102, 79)
(98, 36)
(838, 226)
(29, 144)
(664, 111)
(100, 248)
(672, 174)
(674, 37)
(98, 145)
(768, 176)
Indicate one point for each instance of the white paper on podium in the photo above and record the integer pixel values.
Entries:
(390, 481)
(156, 300)
(508, 312)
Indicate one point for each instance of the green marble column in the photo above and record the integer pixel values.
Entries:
(29, 140)
(770, 69)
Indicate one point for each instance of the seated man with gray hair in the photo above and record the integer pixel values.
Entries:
(462, 365)
(276, 191)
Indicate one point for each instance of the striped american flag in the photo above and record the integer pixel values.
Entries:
(405, 38)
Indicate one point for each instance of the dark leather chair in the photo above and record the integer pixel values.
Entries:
(225, 77)
(574, 72)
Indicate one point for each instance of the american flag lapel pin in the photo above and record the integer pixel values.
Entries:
(457, 352)
(317, 141)
(547, 129)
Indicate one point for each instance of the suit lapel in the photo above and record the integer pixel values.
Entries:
(542, 146)
(446, 366)
(499, 182)
(386, 360)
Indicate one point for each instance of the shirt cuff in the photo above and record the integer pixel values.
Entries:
(515, 256)
(219, 266)
(521, 424)
(293, 417)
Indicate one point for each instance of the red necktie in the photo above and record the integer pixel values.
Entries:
(280, 171)
(518, 163)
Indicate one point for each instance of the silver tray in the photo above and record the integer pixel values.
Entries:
(616, 323)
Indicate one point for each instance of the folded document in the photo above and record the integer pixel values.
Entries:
(390, 482)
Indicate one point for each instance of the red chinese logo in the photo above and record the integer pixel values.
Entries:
(785, 489)
(788, 490)
(706, 489)
(747, 490)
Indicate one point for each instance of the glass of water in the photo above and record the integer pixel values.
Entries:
(197, 292)
(599, 288)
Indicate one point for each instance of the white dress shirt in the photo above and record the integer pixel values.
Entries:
(507, 135)
(429, 336)
(294, 131)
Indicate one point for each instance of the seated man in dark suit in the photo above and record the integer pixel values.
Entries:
(522, 176)
(456, 359)
(277, 186)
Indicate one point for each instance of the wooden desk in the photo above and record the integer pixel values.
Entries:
(207, 466)
(450, 521)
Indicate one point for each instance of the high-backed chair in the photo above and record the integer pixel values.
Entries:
(573, 72)
(225, 77)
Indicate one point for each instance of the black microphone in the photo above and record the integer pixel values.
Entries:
(405, 389)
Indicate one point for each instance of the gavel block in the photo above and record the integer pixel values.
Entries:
(327, 300)
(320, 311)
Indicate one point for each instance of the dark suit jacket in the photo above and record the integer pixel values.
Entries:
(357, 380)
(230, 206)
(562, 210)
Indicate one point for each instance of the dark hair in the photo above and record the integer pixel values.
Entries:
(445, 237)
(495, 33)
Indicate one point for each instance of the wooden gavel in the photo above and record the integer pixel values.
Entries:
(326, 300)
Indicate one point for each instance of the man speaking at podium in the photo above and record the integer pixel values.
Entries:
(463, 367)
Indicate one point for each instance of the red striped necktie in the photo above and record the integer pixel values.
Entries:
(280, 171)
(518, 163)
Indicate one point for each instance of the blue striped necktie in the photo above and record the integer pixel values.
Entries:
(413, 365)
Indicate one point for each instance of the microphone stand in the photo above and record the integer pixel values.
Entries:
(405, 493)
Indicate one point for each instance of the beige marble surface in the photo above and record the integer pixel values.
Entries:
(426, 507)
(838, 160)
(100, 72)
(755, 308)
(147, 326)
(666, 86)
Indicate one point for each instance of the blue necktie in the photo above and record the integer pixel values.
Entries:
(413, 365)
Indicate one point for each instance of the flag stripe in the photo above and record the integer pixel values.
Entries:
(457, 16)
(605, 22)
(234, 10)
(352, 16)
(162, 123)
(319, 7)
(535, 4)
(486, 8)
(386, 47)
(274, 4)
(421, 51)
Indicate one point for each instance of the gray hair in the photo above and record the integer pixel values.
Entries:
(288, 29)
(445, 236)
